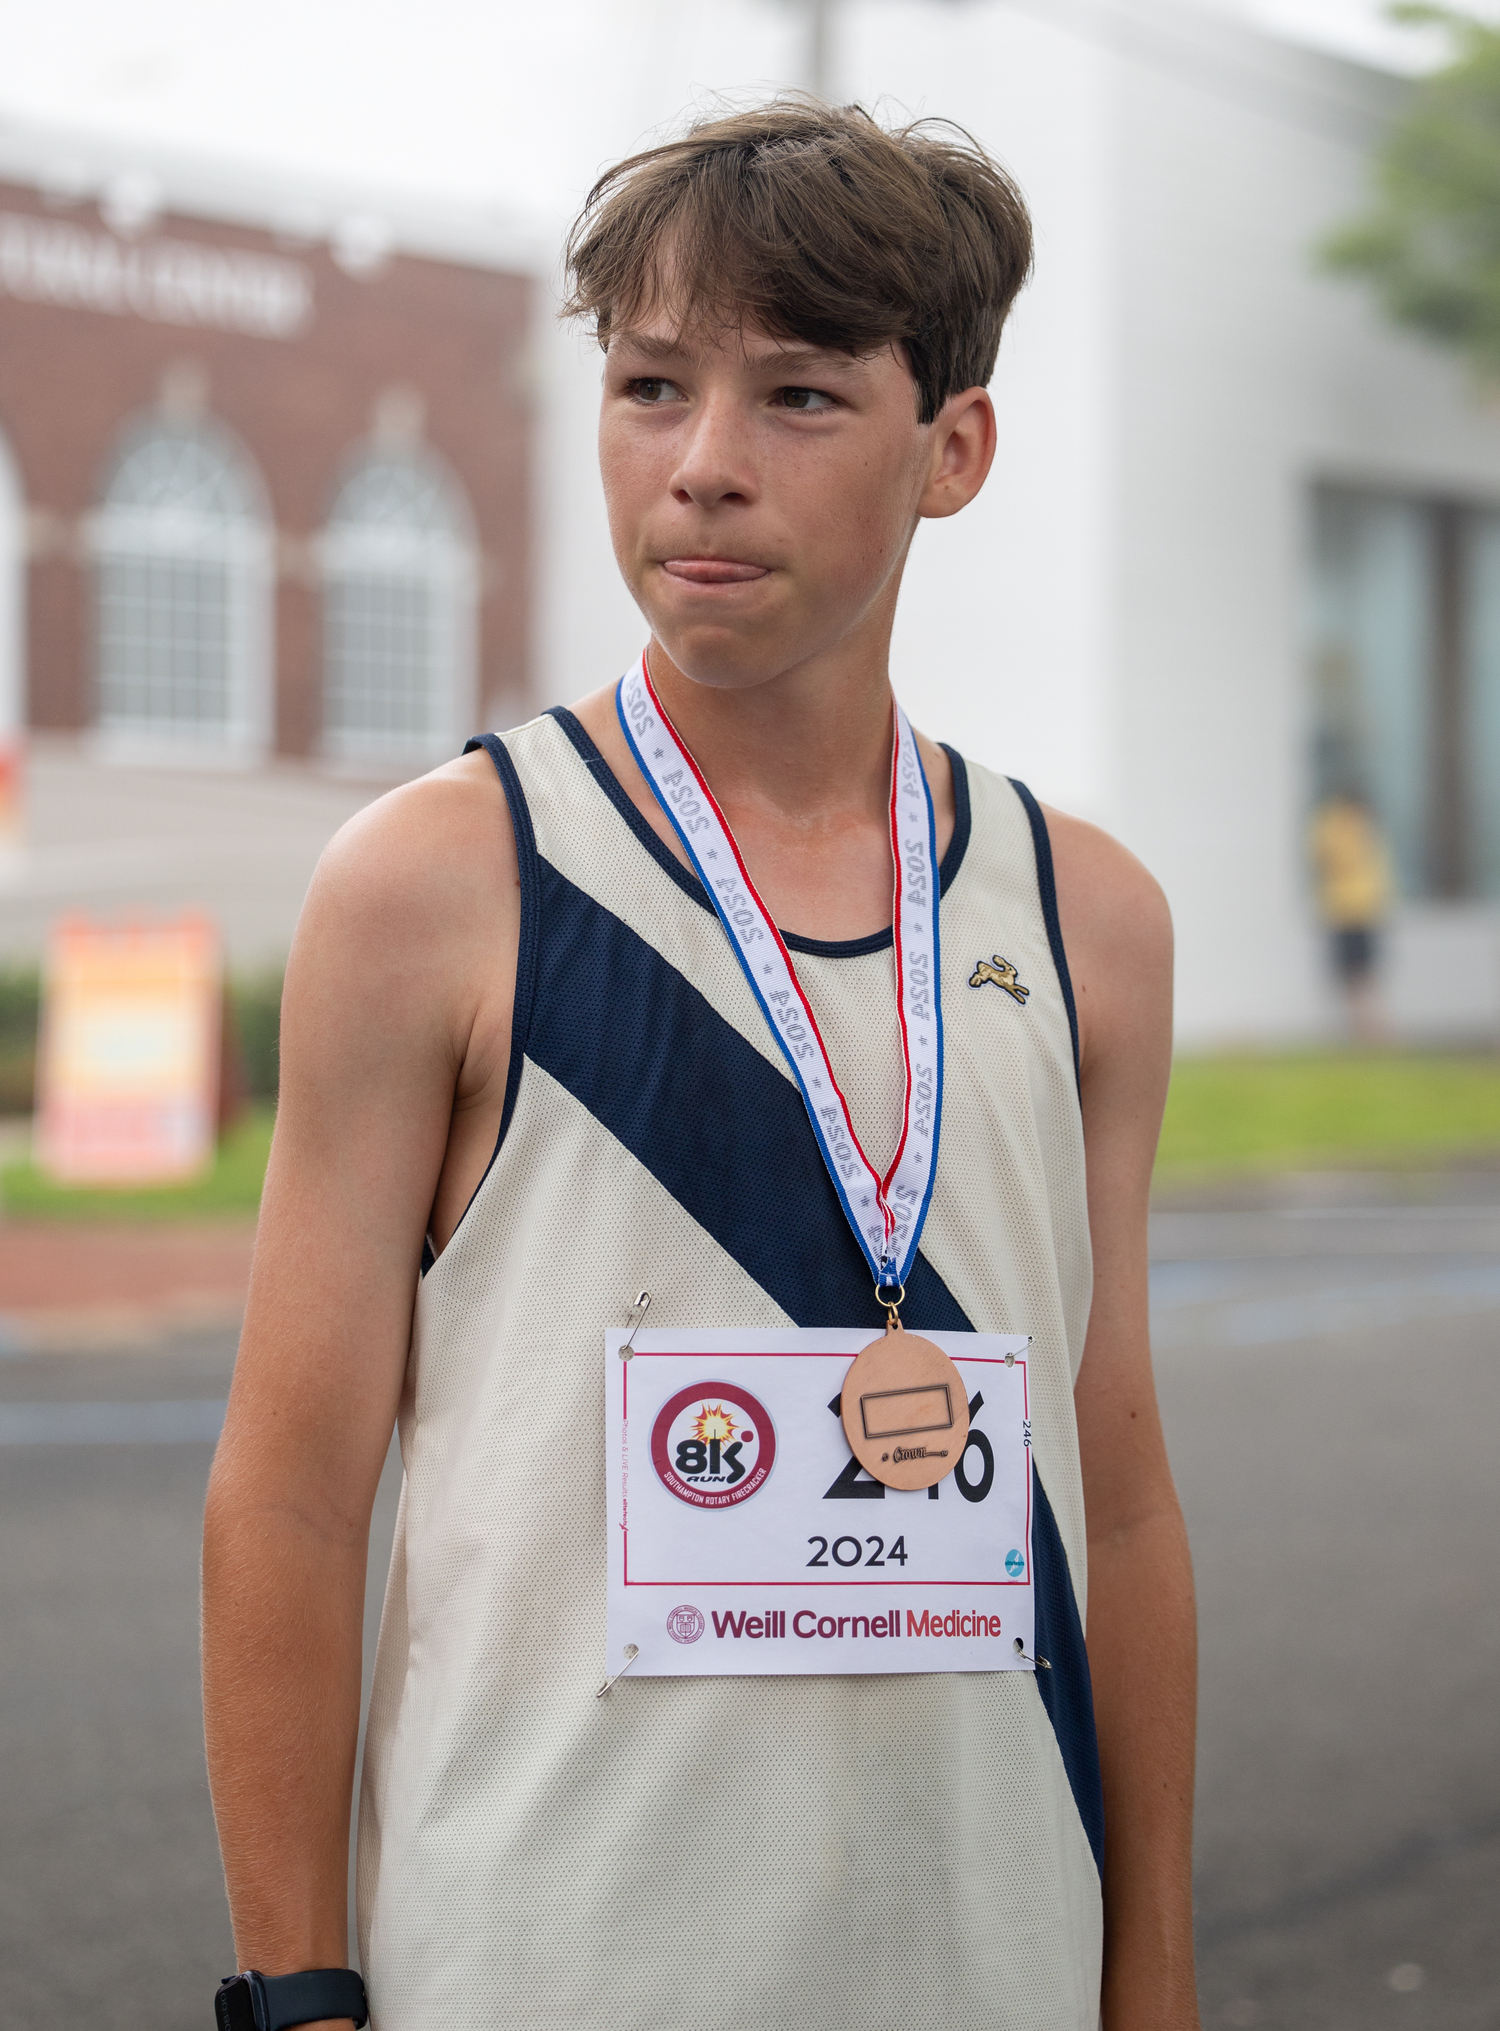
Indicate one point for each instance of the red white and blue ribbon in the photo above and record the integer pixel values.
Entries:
(885, 1209)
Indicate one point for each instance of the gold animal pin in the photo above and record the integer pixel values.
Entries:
(1003, 975)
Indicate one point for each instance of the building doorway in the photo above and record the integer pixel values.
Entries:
(1406, 681)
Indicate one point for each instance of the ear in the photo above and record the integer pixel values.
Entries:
(962, 452)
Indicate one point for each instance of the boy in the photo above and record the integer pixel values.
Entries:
(518, 1040)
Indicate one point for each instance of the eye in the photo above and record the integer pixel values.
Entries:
(652, 391)
(804, 399)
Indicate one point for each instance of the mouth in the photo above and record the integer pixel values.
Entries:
(714, 570)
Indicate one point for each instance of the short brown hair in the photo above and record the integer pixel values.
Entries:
(818, 225)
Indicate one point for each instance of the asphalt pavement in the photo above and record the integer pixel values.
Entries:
(1329, 1371)
(1329, 1365)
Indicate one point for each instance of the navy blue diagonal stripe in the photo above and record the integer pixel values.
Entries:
(717, 1125)
(727, 1135)
(1067, 1689)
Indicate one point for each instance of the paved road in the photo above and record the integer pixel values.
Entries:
(1330, 1378)
(1330, 1374)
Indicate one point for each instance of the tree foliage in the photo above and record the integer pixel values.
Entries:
(1430, 245)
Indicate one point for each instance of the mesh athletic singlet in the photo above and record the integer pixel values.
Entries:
(757, 1854)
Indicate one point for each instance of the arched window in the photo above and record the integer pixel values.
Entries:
(398, 564)
(184, 588)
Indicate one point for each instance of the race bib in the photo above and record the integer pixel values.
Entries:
(744, 1537)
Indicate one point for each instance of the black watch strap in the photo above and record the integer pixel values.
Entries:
(255, 2002)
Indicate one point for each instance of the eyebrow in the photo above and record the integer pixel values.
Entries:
(782, 360)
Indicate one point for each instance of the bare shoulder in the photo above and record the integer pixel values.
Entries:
(1117, 931)
(422, 848)
(1103, 891)
(408, 922)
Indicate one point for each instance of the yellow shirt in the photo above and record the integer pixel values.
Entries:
(1353, 869)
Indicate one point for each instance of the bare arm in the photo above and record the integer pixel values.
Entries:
(1141, 1621)
(395, 1042)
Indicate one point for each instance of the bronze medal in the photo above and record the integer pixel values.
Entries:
(904, 1410)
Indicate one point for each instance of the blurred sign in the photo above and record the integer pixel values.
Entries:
(129, 1072)
(12, 784)
(171, 281)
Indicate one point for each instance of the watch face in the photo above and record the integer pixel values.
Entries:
(234, 2007)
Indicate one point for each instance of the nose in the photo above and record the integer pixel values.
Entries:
(716, 464)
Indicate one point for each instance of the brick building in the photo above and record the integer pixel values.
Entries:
(264, 470)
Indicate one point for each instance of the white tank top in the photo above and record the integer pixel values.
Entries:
(756, 1854)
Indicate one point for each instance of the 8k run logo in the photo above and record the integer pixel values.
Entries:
(713, 1445)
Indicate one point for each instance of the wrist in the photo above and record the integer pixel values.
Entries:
(310, 1999)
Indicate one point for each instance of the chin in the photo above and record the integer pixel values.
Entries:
(724, 659)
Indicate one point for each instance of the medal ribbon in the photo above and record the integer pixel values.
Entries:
(886, 1211)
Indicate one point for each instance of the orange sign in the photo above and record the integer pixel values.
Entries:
(12, 774)
(129, 1071)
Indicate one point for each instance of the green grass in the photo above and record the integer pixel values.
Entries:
(20, 998)
(1321, 1110)
(231, 1187)
(1225, 1116)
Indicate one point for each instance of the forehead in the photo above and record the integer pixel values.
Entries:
(662, 339)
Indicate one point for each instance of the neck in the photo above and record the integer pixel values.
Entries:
(800, 765)
(810, 742)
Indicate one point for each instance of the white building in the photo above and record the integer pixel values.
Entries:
(1242, 538)
(1220, 474)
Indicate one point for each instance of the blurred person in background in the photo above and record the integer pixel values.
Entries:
(1353, 879)
(524, 1074)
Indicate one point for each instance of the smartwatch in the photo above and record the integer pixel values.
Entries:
(255, 2002)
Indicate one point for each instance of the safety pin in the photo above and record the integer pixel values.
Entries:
(640, 1308)
(632, 1652)
(1040, 1663)
(1010, 1362)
